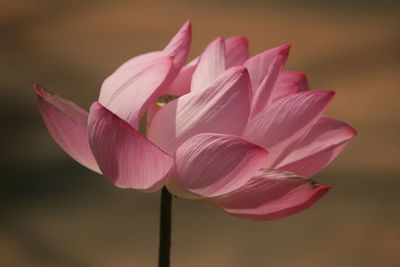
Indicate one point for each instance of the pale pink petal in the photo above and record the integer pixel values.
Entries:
(258, 65)
(289, 82)
(283, 123)
(129, 93)
(178, 48)
(211, 65)
(209, 165)
(125, 157)
(236, 51)
(67, 124)
(264, 94)
(327, 138)
(270, 195)
(134, 62)
(222, 108)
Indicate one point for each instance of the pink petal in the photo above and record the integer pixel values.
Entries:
(327, 138)
(282, 124)
(125, 157)
(222, 108)
(178, 48)
(209, 165)
(271, 195)
(211, 65)
(132, 63)
(258, 65)
(289, 82)
(129, 93)
(67, 124)
(264, 94)
(236, 51)
(181, 84)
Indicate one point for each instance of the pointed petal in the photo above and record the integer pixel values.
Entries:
(67, 124)
(125, 157)
(128, 93)
(236, 51)
(211, 65)
(264, 94)
(282, 124)
(327, 138)
(209, 165)
(222, 108)
(258, 65)
(271, 195)
(289, 82)
(178, 48)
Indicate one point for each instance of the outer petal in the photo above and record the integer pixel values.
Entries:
(211, 65)
(136, 62)
(178, 48)
(258, 65)
(282, 124)
(323, 143)
(125, 157)
(209, 165)
(236, 51)
(67, 124)
(222, 108)
(271, 195)
(128, 93)
(289, 82)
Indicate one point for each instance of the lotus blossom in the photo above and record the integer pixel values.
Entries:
(240, 134)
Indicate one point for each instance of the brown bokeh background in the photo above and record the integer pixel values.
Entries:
(56, 213)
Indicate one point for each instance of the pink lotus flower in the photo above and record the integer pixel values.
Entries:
(243, 134)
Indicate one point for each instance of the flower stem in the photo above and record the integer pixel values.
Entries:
(165, 228)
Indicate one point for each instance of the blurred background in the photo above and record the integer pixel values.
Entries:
(53, 212)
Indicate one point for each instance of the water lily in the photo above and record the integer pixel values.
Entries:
(239, 132)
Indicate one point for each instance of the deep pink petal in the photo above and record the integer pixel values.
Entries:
(211, 65)
(236, 51)
(282, 124)
(125, 157)
(289, 82)
(209, 165)
(222, 108)
(67, 124)
(327, 138)
(270, 195)
(258, 65)
(128, 93)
